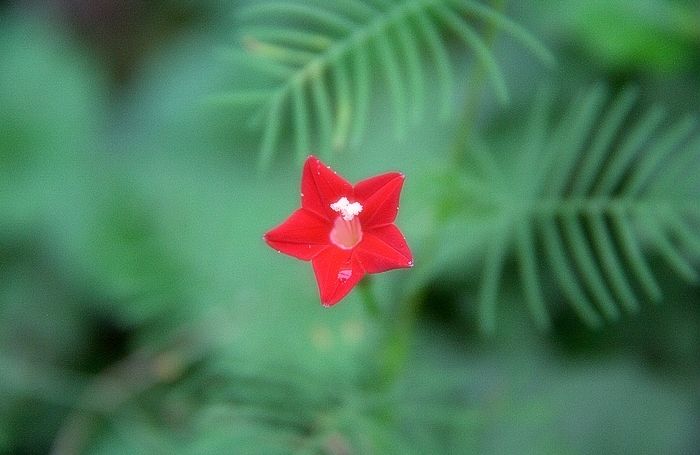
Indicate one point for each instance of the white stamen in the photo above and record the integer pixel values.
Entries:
(346, 209)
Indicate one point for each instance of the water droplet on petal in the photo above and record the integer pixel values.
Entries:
(344, 275)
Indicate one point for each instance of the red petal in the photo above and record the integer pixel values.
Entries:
(337, 272)
(379, 197)
(321, 187)
(303, 235)
(383, 249)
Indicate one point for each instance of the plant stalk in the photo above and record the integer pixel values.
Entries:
(465, 127)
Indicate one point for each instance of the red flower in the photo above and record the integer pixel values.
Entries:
(345, 232)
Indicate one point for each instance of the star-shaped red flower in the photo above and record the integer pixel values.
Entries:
(345, 232)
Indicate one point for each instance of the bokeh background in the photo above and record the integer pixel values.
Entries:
(141, 312)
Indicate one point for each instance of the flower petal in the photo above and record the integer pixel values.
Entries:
(383, 249)
(337, 272)
(321, 187)
(303, 235)
(379, 197)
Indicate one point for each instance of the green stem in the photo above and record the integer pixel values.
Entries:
(403, 317)
(400, 338)
(368, 297)
(465, 127)
(397, 323)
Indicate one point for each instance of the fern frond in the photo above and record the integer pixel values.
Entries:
(438, 52)
(526, 254)
(603, 194)
(493, 268)
(631, 248)
(362, 93)
(555, 250)
(321, 55)
(472, 40)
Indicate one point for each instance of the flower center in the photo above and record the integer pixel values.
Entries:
(346, 209)
(347, 231)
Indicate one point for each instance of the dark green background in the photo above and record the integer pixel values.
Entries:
(141, 312)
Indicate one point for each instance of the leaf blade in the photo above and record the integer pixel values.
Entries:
(474, 41)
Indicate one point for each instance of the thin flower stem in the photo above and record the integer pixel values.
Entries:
(400, 338)
(368, 297)
(465, 126)
(397, 328)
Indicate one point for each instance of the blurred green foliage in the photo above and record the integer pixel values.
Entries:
(141, 312)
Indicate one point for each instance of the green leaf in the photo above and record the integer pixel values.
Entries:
(319, 54)
(597, 191)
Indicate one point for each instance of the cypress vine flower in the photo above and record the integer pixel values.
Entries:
(344, 231)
